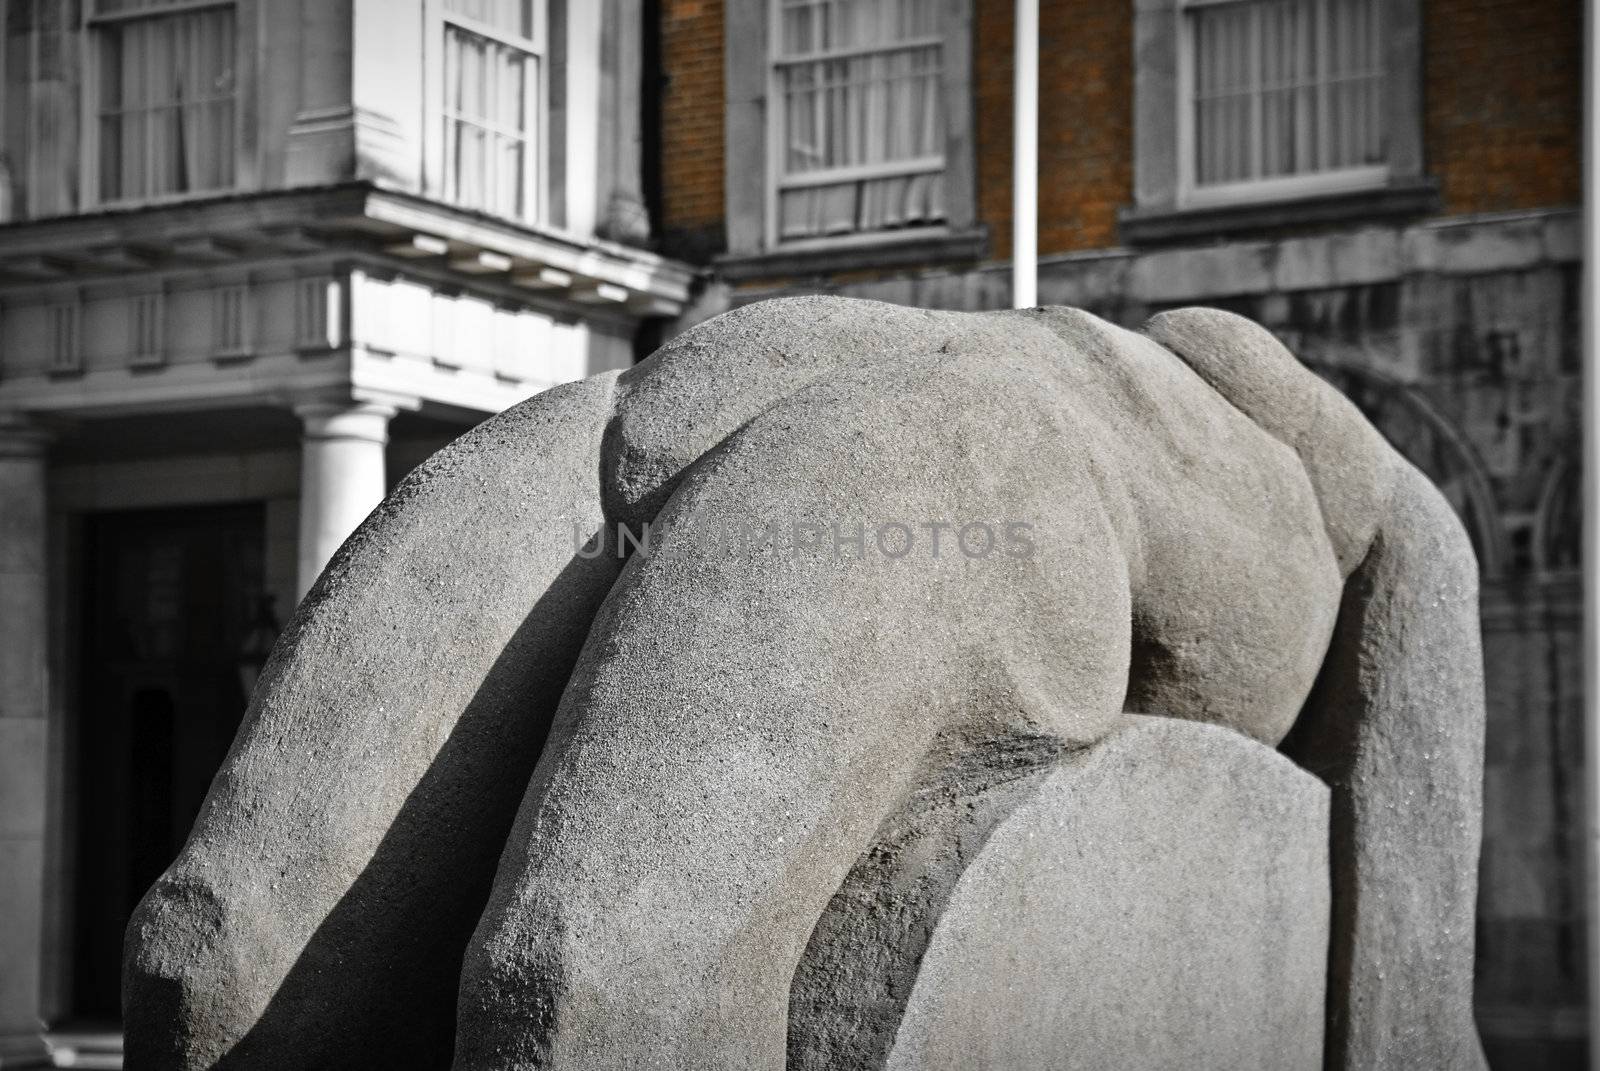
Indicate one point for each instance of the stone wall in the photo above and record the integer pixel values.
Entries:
(1531, 880)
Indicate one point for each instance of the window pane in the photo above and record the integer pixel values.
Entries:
(508, 16)
(869, 109)
(873, 106)
(489, 122)
(808, 26)
(167, 104)
(1285, 87)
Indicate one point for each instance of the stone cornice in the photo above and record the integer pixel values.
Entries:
(358, 217)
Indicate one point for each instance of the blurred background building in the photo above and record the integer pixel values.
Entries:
(264, 255)
(260, 257)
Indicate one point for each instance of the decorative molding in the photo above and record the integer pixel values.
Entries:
(1397, 201)
(66, 337)
(600, 294)
(147, 317)
(446, 329)
(542, 279)
(888, 252)
(232, 326)
(318, 326)
(345, 218)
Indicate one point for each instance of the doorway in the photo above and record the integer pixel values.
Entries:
(170, 597)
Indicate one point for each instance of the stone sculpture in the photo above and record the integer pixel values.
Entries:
(505, 799)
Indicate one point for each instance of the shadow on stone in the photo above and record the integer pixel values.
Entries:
(432, 870)
(1021, 911)
(859, 967)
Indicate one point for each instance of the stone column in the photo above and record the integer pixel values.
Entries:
(24, 698)
(625, 218)
(342, 476)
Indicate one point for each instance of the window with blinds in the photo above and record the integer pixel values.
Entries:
(167, 97)
(858, 138)
(1285, 93)
(491, 105)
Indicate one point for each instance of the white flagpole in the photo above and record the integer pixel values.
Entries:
(1025, 160)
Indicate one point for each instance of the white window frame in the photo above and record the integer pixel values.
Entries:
(776, 182)
(438, 176)
(1192, 194)
(94, 54)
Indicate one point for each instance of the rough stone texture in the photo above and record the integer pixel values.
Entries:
(1468, 362)
(1396, 727)
(317, 915)
(1161, 900)
(763, 711)
(1396, 724)
(774, 707)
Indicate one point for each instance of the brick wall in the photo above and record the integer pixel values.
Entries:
(1503, 85)
(993, 26)
(1085, 121)
(691, 128)
(1502, 89)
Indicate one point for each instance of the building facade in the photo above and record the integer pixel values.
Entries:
(257, 259)
(1389, 185)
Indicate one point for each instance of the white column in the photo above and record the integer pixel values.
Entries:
(1025, 159)
(24, 698)
(342, 476)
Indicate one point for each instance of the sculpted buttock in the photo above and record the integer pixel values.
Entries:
(698, 787)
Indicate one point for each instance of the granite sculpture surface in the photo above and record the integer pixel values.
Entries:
(711, 714)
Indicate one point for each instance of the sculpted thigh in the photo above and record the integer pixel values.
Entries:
(1235, 610)
(774, 704)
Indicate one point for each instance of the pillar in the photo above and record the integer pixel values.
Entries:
(342, 476)
(624, 215)
(24, 698)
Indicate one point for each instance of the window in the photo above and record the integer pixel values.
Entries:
(40, 121)
(1283, 96)
(166, 98)
(1254, 113)
(491, 105)
(858, 136)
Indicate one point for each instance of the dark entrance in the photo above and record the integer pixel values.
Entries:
(170, 598)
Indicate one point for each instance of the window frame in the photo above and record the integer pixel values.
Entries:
(94, 53)
(1165, 196)
(777, 181)
(749, 78)
(438, 177)
(1278, 187)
